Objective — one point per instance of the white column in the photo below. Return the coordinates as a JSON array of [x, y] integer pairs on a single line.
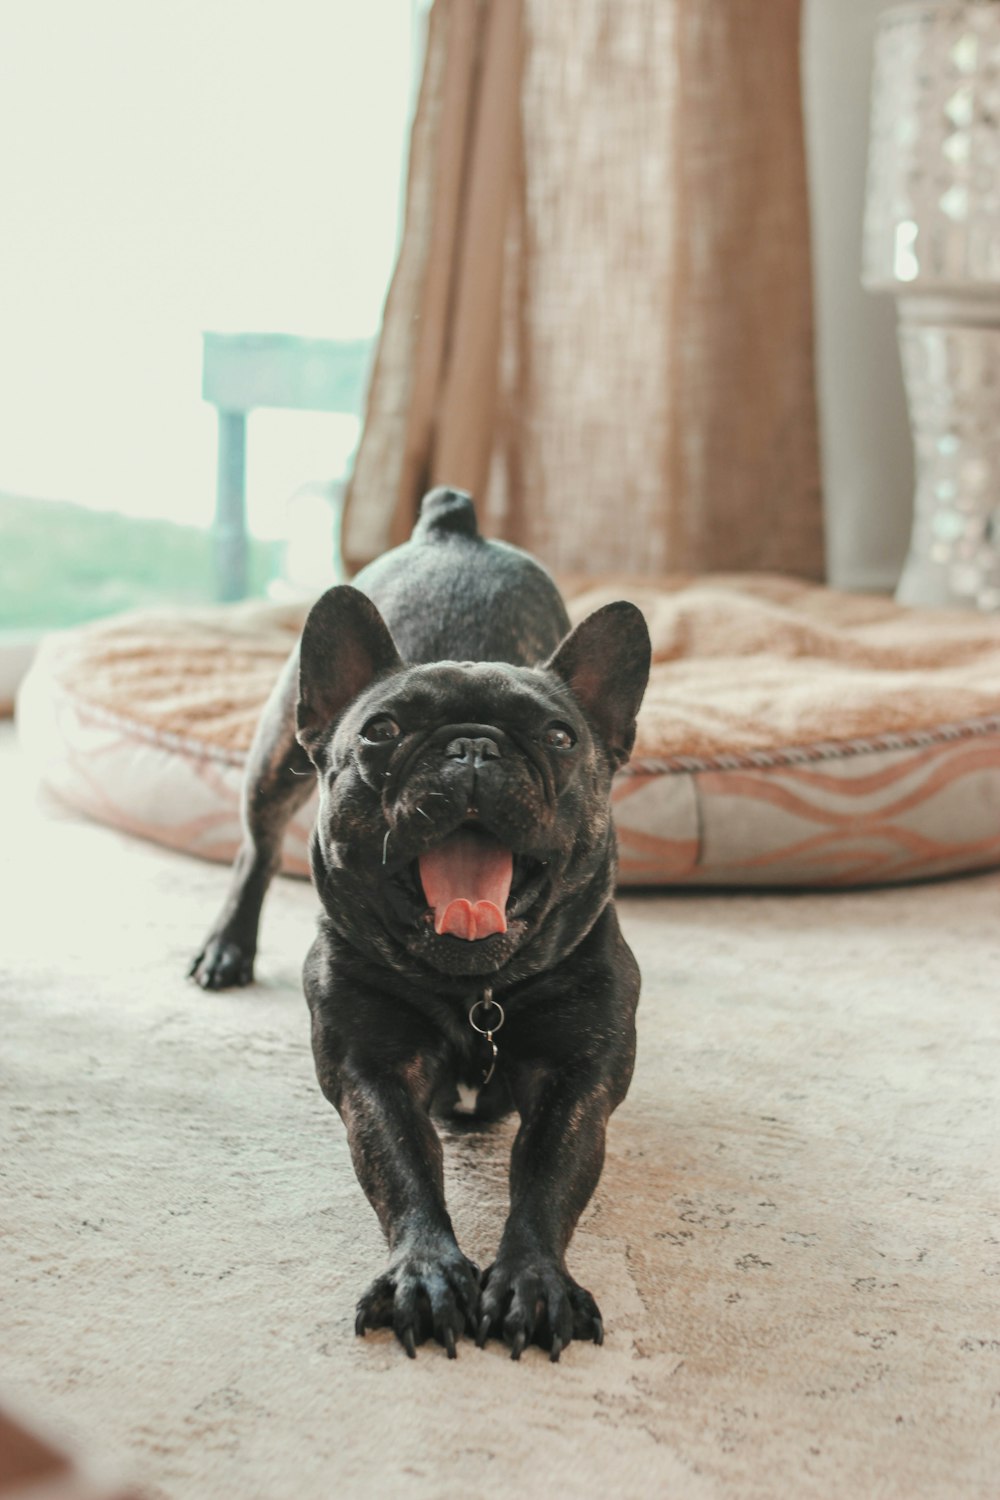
[[867, 448]]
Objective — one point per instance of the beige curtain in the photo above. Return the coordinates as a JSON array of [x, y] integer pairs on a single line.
[[600, 321]]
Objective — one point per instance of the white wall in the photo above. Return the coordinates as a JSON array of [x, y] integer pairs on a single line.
[[867, 454]]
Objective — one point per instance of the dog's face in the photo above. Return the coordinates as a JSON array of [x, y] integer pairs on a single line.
[[464, 806]]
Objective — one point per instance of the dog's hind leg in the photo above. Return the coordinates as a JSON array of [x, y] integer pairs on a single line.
[[279, 779]]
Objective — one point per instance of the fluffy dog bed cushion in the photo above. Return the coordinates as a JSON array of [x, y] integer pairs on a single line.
[[790, 734]]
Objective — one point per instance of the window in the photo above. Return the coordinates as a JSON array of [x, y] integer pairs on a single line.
[[171, 168]]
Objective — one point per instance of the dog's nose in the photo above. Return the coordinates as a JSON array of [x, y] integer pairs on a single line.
[[474, 752]]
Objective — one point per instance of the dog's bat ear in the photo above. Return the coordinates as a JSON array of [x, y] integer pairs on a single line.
[[345, 645], [605, 663]]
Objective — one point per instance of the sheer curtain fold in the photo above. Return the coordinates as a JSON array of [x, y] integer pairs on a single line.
[[600, 320]]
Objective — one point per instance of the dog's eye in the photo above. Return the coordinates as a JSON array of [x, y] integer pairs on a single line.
[[559, 737], [380, 730]]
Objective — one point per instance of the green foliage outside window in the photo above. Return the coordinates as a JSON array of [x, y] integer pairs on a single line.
[[61, 564]]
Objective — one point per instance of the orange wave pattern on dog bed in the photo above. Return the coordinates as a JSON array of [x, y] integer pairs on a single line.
[[790, 734]]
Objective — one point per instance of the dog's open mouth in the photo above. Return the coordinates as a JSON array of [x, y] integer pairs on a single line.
[[466, 881], [470, 887]]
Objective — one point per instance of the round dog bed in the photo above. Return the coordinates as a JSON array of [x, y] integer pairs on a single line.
[[790, 735]]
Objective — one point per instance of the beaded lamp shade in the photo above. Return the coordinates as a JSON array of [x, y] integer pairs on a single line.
[[932, 237], [933, 210]]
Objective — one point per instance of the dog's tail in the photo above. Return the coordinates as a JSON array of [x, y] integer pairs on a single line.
[[446, 512]]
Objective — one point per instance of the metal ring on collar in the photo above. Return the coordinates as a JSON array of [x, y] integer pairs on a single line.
[[486, 1030]]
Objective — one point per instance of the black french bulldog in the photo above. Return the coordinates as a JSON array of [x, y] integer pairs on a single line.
[[469, 957]]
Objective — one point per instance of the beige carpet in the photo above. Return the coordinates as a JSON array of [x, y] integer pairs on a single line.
[[795, 1244]]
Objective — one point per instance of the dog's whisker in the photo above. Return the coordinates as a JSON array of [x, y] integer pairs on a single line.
[[385, 844]]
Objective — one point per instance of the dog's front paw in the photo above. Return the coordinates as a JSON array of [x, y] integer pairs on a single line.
[[420, 1295], [222, 964], [534, 1301]]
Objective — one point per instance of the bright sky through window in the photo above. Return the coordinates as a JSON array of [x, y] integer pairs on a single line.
[[172, 167]]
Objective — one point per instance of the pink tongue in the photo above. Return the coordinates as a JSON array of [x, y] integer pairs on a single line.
[[467, 881]]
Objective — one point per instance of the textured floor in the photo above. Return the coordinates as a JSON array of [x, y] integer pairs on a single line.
[[795, 1244]]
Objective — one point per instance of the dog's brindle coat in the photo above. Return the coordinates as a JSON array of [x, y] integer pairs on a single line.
[[450, 715]]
